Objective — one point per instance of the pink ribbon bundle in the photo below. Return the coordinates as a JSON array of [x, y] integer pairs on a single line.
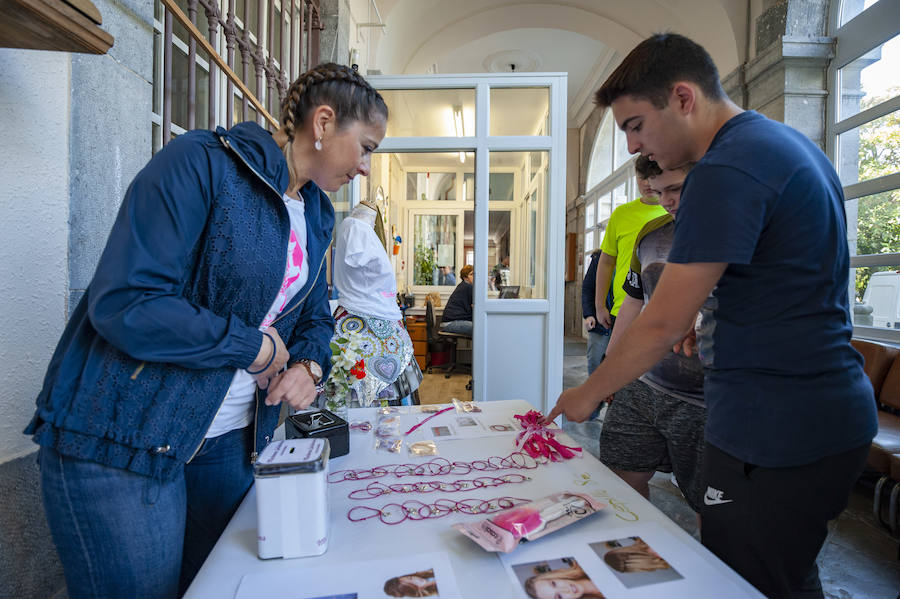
[[538, 440]]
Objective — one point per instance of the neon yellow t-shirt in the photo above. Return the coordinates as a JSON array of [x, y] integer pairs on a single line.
[[618, 241]]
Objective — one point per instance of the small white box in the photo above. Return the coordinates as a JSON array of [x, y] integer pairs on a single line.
[[292, 498]]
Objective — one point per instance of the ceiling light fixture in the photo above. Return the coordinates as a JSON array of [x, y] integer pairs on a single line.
[[458, 126]]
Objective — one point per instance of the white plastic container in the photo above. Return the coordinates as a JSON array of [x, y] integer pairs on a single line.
[[292, 498]]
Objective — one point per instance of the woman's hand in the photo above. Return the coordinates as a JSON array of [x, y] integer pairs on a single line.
[[294, 386], [590, 322], [265, 353]]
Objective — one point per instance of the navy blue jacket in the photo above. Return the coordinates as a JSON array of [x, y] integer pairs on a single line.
[[193, 263], [588, 292]]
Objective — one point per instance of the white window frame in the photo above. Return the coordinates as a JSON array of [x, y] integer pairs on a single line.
[[497, 322], [869, 29], [221, 81], [601, 192]]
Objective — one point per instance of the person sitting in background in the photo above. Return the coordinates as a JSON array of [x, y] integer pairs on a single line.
[[446, 277], [458, 312]]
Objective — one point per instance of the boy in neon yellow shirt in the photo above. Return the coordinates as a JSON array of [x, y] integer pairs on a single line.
[[616, 248]]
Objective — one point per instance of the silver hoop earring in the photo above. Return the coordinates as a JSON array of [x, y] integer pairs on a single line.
[[318, 144]]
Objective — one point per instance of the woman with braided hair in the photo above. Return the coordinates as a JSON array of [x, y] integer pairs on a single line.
[[207, 311]]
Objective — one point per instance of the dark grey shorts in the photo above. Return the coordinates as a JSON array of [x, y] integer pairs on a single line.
[[646, 430]]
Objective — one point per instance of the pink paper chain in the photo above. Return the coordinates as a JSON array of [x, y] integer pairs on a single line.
[[395, 513], [377, 489], [438, 467], [539, 441]]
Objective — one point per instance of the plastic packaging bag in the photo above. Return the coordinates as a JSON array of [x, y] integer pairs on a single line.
[[503, 532]]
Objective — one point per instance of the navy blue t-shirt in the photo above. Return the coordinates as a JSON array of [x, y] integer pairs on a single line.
[[784, 387]]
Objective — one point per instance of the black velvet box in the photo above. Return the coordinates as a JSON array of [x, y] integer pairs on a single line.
[[320, 424]]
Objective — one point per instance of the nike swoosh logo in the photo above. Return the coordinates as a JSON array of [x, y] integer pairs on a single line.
[[715, 501]]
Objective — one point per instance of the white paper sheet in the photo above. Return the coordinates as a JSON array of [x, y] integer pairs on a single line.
[[350, 580]]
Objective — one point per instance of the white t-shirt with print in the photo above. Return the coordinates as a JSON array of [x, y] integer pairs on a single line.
[[237, 408]]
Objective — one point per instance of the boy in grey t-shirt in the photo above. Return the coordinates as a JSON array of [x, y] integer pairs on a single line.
[[656, 423]]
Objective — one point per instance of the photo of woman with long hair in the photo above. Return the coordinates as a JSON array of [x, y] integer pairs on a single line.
[[417, 584], [637, 557], [634, 562], [567, 582]]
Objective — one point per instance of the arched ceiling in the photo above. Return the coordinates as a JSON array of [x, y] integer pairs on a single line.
[[584, 38]]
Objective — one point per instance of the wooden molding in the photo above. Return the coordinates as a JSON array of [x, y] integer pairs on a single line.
[[53, 25], [571, 256]]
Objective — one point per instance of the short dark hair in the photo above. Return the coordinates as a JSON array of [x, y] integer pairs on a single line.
[[655, 64], [645, 168], [684, 168]]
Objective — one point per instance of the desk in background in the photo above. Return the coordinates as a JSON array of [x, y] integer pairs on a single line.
[[418, 333], [477, 573]]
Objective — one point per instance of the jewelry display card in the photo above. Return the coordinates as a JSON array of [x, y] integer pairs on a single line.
[[451, 426], [414, 575]]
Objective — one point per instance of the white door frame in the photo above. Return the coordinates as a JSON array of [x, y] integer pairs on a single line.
[[495, 361]]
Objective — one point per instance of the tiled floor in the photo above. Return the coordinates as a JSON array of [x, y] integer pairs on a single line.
[[859, 559], [436, 388]]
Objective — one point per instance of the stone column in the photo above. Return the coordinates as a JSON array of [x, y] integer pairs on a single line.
[[786, 80], [334, 40]]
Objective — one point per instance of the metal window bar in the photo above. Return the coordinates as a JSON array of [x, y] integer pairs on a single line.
[[300, 19]]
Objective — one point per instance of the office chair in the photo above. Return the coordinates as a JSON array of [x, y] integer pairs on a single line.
[[435, 343], [453, 340]]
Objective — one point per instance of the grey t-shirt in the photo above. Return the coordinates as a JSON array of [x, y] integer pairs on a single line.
[[675, 374]]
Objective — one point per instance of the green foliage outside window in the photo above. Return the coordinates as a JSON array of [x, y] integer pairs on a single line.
[[878, 218], [425, 265]]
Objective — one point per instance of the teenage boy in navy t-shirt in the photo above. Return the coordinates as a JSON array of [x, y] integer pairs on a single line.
[[790, 412]]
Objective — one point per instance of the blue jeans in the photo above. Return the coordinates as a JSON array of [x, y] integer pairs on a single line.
[[598, 340], [121, 534], [462, 327]]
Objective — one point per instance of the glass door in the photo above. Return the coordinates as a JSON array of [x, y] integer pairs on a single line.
[[471, 173]]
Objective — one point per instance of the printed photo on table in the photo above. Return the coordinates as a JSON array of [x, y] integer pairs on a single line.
[[466, 421], [343, 596], [554, 578], [415, 584], [634, 562], [441, 431]]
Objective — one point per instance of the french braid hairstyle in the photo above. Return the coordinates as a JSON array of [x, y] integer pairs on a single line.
[[340, 87]]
